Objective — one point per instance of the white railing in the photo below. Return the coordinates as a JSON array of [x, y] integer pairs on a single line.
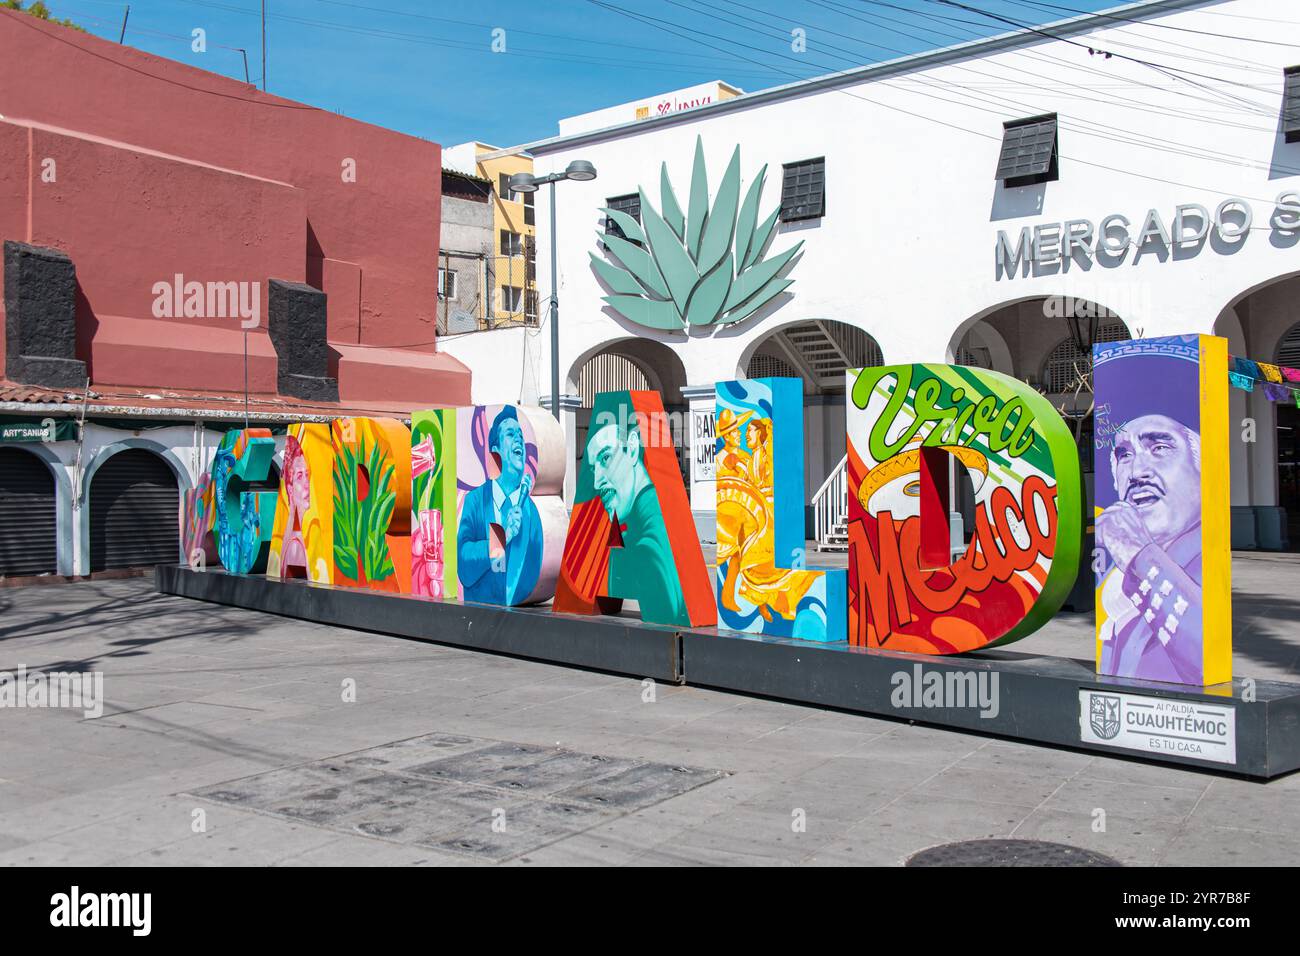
[[831, 502]]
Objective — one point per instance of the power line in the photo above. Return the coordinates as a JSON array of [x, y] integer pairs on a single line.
[[1128, 137], [471, 46], [663, 25], [1171, 72], [1054, 61], [1149, 23], [489, 26]]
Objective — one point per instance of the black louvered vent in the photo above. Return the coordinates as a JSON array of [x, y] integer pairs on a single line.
[[133, 512], [28, 521], [1029, 154]]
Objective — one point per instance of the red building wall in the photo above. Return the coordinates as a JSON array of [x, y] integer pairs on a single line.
[[161, 169]]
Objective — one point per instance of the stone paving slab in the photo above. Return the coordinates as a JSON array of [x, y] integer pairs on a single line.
[[483, 798]]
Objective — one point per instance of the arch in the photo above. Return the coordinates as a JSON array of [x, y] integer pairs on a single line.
[[63, 504], [1259, 323], [184, 483], [1238, 297], [1065, 362], [1022, 333], [659, 364], [983, 346], [817, 350], [965, 326], [629, 362]]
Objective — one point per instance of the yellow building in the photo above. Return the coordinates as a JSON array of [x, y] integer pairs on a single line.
[[512, 268]]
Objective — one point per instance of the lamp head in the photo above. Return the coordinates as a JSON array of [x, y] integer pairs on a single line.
[[580, 170], [523, 183]]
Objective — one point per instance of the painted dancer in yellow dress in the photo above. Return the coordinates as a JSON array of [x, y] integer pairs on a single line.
[[745, 492]]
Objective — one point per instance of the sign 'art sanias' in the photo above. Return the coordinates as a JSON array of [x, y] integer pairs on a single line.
[[702, 267]]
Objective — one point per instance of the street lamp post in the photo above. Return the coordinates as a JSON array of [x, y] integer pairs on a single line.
[[579, 171]]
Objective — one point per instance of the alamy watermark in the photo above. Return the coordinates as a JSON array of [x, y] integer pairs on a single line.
[[73, 909], [82, 691], [180, 299], [919, 688]]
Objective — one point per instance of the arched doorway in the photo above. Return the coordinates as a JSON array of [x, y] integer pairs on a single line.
[[1263, 324], [819, 351], [28, 515], [134, 504], [1045, 341], [631, 365]]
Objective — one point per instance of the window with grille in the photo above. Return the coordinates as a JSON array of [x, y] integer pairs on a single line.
[[530, 259], [446, 284], [1066, 363], [764, 365], [609, 372], [975, 356], [530, 306], [1288, 350], [803, 189], [630, 204], [512, 243], [1029, 154]]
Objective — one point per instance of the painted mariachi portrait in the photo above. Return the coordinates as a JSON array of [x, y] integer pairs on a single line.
[[1150, 513]]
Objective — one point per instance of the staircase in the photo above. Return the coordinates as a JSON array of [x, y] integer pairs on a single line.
[[831, 510], [821, 351]]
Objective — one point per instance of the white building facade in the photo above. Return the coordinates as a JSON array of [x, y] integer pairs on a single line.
[[1167, 202]]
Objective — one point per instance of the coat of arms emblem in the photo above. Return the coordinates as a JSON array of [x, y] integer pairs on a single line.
[[1103, 714]]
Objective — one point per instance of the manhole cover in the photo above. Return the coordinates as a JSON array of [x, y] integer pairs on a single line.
[[1008, 853]]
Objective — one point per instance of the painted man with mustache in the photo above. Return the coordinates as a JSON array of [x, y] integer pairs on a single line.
[[1152, 596], [646, 565]]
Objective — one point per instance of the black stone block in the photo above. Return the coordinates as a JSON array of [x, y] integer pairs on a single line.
[[296, 321], [312, 388], [41, 317]]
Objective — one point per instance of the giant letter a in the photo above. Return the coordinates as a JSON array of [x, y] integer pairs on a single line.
[[631, 534]]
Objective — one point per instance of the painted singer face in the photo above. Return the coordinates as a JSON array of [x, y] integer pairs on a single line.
[[510, 447], [1158, 471]]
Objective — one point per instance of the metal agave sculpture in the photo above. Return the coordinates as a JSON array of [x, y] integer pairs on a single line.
[[704, 267]]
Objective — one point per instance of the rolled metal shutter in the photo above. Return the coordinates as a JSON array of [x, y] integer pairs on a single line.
[[133, 512], [28, 520]]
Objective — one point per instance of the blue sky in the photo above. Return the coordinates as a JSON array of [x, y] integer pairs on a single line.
[[426, 67]]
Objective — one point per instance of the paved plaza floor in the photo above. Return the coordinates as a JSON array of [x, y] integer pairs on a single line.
[[231, 736]]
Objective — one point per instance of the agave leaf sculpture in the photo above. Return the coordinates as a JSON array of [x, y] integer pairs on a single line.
[[701, 267]]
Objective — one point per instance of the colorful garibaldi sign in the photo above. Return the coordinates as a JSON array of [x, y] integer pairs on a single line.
[[467, 504]]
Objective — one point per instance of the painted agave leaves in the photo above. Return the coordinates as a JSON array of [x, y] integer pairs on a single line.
[[701, 267]]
